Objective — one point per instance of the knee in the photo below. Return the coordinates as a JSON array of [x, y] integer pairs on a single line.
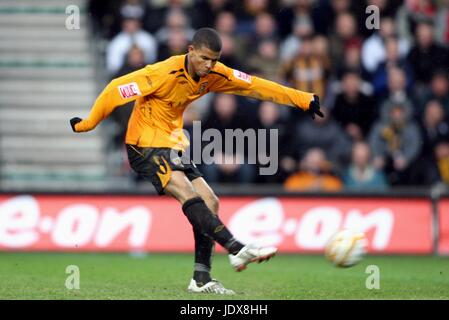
[[189, 196], [213, 203]]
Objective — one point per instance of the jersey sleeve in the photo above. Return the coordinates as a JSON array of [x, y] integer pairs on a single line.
[[237, 82], [120, 91]]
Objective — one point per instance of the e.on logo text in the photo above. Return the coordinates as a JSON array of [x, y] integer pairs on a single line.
[[83, 226], [270, 222]]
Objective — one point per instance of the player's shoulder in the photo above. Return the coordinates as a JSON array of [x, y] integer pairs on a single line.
[[222, 69], [230, 73], [167, 65]]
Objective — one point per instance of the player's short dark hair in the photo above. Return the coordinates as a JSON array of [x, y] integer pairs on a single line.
[[207, 37]]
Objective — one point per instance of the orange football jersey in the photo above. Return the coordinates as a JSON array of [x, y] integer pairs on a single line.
[[163, 90]]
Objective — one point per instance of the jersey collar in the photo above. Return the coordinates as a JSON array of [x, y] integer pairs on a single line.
[[186, 70]]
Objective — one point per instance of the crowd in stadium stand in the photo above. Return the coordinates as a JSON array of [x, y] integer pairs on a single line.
[[384, 91]]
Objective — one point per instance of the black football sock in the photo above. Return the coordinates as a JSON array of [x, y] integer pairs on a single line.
[[201, 274], [201, 278], [204, 247], [234, 246], [205, 222]]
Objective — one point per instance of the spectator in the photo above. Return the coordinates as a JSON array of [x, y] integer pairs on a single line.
[[266, 59], [361, 175], [135, 60], [442, 157], [314, 174], [397, 87], [247, 11], [438, 90], [270, 117], [392, 59], [320, 46], [264, 28], [233, 44], [134, 8], [323, 133], [224, 114], [434, 168], [229, 166], [176, 21], [434, 131], [395, 141], [131, 34], [176, 44], [326, 12], [434, 127], [353, 109], [306, 71], [229, 52], [160, 10], [352, 61], [299, 13], [427, 56], [105, 17], [292, 44], [442, 24], [225, 23], [345, 35], [207, 13], [412, 13], [373, 48]]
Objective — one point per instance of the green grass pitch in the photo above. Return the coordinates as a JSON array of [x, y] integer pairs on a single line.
[[166, 276]]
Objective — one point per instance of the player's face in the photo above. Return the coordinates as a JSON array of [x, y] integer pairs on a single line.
[[203, 60]]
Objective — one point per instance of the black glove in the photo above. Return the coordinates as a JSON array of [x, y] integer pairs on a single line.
[[314, 107], [73, 122]]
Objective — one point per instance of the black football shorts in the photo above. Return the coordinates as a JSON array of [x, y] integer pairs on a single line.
[[156, 165]]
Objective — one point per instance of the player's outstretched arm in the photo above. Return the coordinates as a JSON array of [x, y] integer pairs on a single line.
[[118, 92], [237, 82]]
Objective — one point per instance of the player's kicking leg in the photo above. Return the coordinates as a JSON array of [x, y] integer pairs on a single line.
[[205, 222], [245, 255]]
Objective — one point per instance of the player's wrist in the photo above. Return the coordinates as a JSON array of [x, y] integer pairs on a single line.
[[74, 122], [305, 99], [314, 107]]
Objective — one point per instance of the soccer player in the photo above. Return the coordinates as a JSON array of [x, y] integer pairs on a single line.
[[155, 141]]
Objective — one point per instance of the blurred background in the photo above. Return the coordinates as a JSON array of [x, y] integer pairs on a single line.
[[385, 91]]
